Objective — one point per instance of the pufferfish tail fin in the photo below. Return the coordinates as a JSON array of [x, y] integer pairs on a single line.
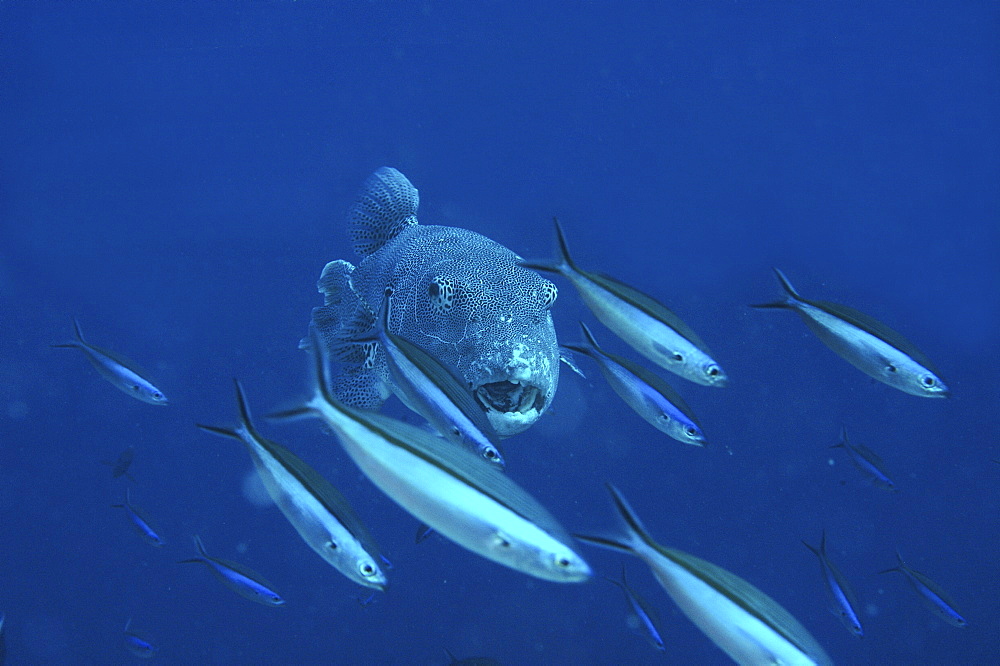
[[359, 377], [386, 205]]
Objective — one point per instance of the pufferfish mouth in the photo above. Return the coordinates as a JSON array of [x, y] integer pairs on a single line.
[[511, 396]]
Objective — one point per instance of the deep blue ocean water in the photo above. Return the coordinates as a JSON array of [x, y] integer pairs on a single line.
[[177, 174]]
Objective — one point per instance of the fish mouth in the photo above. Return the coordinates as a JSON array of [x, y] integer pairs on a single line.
[[511, 396], [512, 405]]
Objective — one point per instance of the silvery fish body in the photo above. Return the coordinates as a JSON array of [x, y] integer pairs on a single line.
[[436, 392], [866, 343], [843, 601], [930, 593], [459, 295], [120, 371], [239, 578], [139, 521], [317, 510], [447, 487], [866, 460], [644, 323], [646, 393], [743, 621]]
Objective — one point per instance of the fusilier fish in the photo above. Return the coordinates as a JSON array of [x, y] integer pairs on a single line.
[[139, 521], [317, 510], [650, 396], [743, 621], [447, 487], [643, 611], [459, 296], [930, 593], [239, 578], [843, 601], [866, 460], [120, 466], [638, 319], [120, 371], [138, 645], [435, 391], [867, 344]]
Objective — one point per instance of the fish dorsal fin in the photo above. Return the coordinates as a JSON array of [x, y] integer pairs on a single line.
[[650, 306], [386, 205], [874, 327]]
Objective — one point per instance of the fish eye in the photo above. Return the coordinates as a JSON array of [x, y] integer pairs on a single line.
[[549, 295], [332, 545], [713, 371], [562, 562], [367, 569], [157, 395], [690, 432], [490, 453], [890, 368], [678, 357], [928, 381]]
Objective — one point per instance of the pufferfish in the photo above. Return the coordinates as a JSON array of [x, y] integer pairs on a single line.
[[458, 295]]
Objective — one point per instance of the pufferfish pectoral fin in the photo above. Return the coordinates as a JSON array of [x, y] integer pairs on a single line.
[[386, 205], [358, 376]]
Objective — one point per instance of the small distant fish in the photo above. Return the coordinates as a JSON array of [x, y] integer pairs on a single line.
[[642, 610], [365, 602], [318, 512], [843, 602], [139, 521], [866, 460], [119, 467], [652, 398], [744, 622], [638, 319], [446, 486], [138, 645], [435, 390], [240, 579], [930, 593], [123, 373], [423, 531], [3, 644], [867, 344]]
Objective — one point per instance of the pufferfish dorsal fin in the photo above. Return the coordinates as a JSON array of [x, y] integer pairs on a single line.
[[386, 205]]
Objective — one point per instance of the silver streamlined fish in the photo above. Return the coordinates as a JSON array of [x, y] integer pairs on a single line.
[[459, 296], [435, 391], [139, 521], [317, 510], [638, 319], [120, 371], [744, 622], [864, 342], [138, 645], [843, 601], [447, 487], [645, 613], [866, 461], [239, 578], [930, 593], [647, 394]]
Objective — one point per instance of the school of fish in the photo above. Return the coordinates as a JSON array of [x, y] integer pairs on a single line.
[[460, 329]]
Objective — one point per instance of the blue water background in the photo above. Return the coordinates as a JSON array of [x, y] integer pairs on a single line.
[[177, 174]]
